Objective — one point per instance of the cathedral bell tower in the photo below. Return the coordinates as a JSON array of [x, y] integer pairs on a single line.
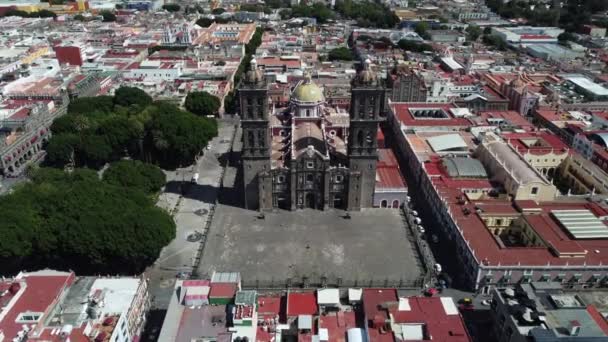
[[367, 103], [253, 99]]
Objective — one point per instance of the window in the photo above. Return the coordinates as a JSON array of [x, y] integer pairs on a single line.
[[281, 179], [499, 222], [339, 178], [310, 165], [332, 133], [309, 178], [534, 190], [28, 317]]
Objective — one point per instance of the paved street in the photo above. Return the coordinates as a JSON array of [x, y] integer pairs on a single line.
[[190, 213]]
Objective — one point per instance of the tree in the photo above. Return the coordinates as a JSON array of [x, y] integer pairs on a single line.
[[318, 11], [83, 105], [230, 103], [76, 221], [135, 174], [487, 30], [94, 151], [202, 103], [108, 16], [414, 46], [127, 96], [79, 17], [473, 32], [566, 36], [496, 41], [340, 54], [218, 11], [204, 22], [422, 29], [174, 137], [367, 13], [171, 7], [61, 148]]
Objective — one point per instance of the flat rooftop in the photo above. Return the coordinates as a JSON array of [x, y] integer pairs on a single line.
[[372, 245]]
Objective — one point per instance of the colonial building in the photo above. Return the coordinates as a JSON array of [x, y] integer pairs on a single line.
[[308, 155], [406, 85]]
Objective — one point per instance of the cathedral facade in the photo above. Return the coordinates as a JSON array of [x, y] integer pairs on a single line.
[[307, 154]]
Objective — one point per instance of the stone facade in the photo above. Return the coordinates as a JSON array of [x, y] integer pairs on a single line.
[[310, 155]]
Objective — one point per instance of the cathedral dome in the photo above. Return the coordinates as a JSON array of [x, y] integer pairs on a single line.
[[308, 91]]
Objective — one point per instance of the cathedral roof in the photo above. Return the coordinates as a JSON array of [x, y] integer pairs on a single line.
[[308, 91]]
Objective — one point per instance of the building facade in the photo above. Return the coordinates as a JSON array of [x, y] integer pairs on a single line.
[[308, 155]]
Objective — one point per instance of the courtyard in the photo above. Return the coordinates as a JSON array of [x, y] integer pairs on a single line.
[[312, 248]]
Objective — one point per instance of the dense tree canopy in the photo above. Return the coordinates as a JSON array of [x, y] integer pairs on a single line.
[[494, 40], [218, 11], [135, 174], [127, 96], [108, 16], [473, 32], [414, 46], [171, 7], [103, 129], [340, 54], [35, 14], [367, 13], [174, 136], [572, 15], [202, 103], [76, 221], [318, 11]]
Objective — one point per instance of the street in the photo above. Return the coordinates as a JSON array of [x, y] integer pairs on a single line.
[[190, 212]]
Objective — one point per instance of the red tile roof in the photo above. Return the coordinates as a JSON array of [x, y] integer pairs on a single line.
[[301, 303], [337, 324], [431, 312], [222, 290], [402, 113], [37, 293]]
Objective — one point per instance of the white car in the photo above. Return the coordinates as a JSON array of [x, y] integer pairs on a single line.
[[437, 268], [421, 229], [486, 302]]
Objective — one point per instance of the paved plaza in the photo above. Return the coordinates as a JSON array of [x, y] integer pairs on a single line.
[[371, 245]]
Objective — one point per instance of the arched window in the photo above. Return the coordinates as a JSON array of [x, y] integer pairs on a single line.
[[395, 204], [360, 138], [251, 139], [383, 204], [369, 139], [261, 139]]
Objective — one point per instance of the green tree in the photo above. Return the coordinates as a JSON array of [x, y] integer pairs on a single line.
[[566, 36], [108, 16], [174, 137], [94, 151], [422, 29], [127, 96], [204, 22], [496, 41], [202, 103], [76, 221], [135, 174], [367, 13], [61, 149], [473, 32], [79, 17], [218, 11], [230, 103], [85, 105], [171, 7], [340, 54]]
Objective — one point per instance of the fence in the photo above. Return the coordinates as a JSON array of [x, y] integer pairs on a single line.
[[424, 250], [313, 282]]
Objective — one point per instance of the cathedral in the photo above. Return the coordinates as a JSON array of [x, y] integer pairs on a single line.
[[308, 154]]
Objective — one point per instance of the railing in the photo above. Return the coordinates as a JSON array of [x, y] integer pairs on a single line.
[[313, 282]]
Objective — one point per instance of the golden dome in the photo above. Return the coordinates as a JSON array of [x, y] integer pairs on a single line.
[[308, 91]]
